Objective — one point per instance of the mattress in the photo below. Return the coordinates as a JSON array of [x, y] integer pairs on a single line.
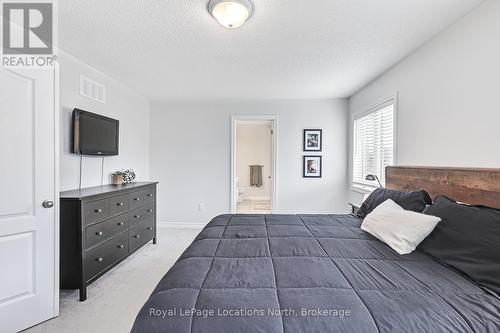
[[310, 273]]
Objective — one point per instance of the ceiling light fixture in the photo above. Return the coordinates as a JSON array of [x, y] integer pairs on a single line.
[[231, 13]]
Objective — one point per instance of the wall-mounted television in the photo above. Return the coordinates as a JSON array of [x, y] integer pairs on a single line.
[[94, 134]]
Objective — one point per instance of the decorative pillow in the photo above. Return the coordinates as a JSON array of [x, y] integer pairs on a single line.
[[401, 229], [468, 239], [414, 201]]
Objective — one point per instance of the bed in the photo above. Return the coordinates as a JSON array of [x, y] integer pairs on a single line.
[[310, 273]]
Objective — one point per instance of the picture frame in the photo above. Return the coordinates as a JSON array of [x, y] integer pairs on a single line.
[[313, 140], [312, 166]]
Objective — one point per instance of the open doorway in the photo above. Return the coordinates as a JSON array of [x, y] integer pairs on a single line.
[[253, 165]]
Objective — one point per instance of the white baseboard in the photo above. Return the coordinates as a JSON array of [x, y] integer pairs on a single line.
[[183, 225]]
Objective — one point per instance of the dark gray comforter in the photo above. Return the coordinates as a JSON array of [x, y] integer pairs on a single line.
[[309, 273]]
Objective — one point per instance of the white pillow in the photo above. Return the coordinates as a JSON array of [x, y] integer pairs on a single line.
[[401, 229]]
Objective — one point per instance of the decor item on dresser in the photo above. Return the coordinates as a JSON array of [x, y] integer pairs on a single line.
[[313, 139], [122, 176], [128, 176], [312, 166], [117, 177], [100, 226]]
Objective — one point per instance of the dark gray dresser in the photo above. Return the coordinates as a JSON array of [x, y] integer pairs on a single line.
[[100, 226]]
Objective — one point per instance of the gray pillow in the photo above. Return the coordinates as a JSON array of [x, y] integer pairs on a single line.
[[414, 201], [467, 239]]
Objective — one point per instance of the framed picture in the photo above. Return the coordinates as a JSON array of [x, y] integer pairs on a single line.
[[312, 166], [313, 139]]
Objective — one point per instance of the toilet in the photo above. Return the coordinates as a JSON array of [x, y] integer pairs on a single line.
[[239, 191]]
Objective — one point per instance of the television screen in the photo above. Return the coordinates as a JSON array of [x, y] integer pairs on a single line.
[[94, 134]]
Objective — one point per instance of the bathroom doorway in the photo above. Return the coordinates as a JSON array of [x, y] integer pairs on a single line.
[[253, 164]]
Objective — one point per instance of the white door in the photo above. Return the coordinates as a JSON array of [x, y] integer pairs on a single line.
[[28, 268]]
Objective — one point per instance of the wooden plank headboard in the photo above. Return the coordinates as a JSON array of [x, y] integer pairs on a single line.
[[472, 186]]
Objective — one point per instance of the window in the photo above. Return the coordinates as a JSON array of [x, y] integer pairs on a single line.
[[373, 143]]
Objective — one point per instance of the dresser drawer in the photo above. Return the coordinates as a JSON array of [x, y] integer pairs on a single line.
[[100, 232], [141, 198], [141, 234], [118, 205], [150, 195], [102, 256], [141, 214], [136, 199], [96, 211]]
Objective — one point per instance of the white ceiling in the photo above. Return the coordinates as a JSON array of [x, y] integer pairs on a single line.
[[174, 49]]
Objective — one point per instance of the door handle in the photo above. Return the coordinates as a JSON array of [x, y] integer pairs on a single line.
[[47, 204]]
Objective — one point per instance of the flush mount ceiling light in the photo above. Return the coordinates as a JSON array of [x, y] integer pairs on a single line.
[[231, 13]]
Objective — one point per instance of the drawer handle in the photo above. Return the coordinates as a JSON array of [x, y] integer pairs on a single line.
[[137, 199], [120, 223], [150, 195], [99, 259], [98, 210], [149, 228], [120, 246], [137, 216], [119, 204], [99, 233], [150, 210], [137, 236]]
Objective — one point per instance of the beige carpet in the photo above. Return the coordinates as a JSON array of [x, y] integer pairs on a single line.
[[115, 299]]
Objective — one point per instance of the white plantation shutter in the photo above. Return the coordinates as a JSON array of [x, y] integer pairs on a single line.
[[373, 144]]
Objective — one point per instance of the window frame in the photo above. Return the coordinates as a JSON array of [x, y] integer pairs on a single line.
[[362, 188]]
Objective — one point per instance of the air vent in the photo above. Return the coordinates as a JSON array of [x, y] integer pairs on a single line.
[[92, 89]]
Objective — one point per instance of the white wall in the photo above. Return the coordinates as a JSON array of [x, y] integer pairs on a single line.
[[448, 92], [131, 108], [254, 147], [190, 156]]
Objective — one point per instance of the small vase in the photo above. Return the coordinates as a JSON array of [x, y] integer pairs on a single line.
[[117, 179]]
